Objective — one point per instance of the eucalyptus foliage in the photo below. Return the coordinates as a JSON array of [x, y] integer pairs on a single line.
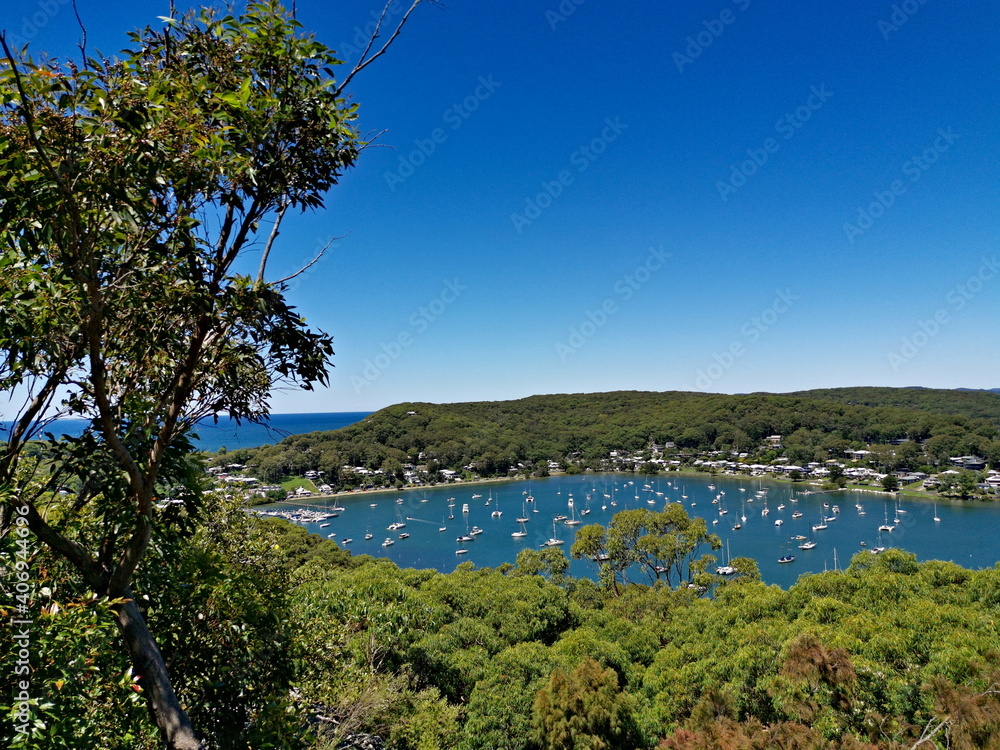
[[131, 190]]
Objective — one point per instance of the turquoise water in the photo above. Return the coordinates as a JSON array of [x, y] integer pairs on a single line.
[[966, 534], [227, 433]]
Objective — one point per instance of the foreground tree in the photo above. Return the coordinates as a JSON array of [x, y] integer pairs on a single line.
[[129, 189], [583, 710], [664, 545]]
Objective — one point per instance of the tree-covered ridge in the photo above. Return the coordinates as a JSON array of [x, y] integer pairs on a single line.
[[495, 435], [973, 404]]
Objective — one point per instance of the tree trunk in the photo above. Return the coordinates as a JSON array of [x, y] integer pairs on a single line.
[[147, 662]]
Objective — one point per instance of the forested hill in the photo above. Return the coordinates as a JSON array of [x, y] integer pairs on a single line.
[[495, 435], [970, 403]]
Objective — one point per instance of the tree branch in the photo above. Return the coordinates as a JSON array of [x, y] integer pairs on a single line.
[[92, 572], [270, 241], [362, 62], [311, 263]]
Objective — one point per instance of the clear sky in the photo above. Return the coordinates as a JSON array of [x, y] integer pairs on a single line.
[[587, 195]]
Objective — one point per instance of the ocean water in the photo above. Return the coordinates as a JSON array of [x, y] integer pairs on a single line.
[[965, 534], [212, 437]]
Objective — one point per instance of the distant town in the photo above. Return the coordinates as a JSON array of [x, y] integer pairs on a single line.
[[964, 476]]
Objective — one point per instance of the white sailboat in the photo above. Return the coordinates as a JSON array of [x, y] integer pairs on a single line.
[[727, 569], [398, 523], [885, 526], [552, 541]]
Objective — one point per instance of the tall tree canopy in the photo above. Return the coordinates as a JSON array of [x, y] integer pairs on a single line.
[[129, 190]]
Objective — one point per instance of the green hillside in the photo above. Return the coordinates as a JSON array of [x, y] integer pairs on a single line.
[[494, 435], [974, 404]]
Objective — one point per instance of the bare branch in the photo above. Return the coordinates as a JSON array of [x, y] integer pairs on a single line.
[[928, 733], [26, 425], [310, 264], [270, 241], [83, 34], [363, 63]]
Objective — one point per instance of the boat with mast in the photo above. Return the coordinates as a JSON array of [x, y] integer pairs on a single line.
[[821, 525], [398, 523], [727, 569], [886, 526], [552, 541]]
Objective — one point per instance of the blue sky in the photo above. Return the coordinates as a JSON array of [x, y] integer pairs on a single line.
[[729, 196]]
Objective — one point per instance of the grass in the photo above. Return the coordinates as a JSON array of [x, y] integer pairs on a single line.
[[295, 482]]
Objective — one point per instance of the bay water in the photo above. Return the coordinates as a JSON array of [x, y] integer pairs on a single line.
[[965, 534]]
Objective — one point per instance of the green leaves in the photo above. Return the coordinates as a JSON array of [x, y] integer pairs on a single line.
[[643, 543], [129, 190], [583, 710]]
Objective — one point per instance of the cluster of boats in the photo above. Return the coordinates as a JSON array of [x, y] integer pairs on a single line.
[[577, 508], [301, 515]]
